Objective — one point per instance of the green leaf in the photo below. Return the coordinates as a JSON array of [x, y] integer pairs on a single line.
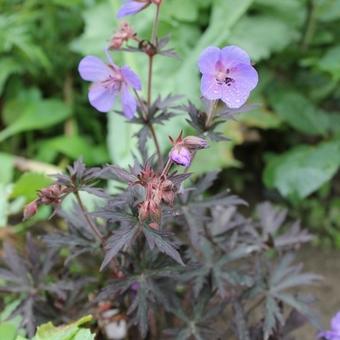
[[74, 147], [7, 67], [71, 331], [258, 35], [28, 185], [35, 114], [330, 62], [7, 168], [8, 331], [303, 170], [121, 141], [300, 113]]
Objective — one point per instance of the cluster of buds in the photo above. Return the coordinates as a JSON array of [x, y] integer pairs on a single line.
[[159, 189], [124, 34], [51, 195], [184, 149]]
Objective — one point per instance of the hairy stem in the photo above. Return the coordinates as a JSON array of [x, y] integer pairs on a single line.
[[211, 112], [167, 167], [149, 94], [310, 26], [94, 228], [155, 26]]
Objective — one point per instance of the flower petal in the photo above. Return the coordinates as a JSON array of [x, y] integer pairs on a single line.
[[328, 335], [101, 97], [93, 69], [130, 7], [210, 89], [233, 55], [245, 79], [131, 78], [128, 103], [335, 323], [245, 74], [208, 60]]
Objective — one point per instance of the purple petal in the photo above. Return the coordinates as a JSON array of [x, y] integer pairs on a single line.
[[128, 103], [245, 74], [181, 156], [335, 323], [208, 60], [328, 335], [131, 78], [210, 89], [130, 7], [93, 69], [101, 98], [233, 55], [245, 79]]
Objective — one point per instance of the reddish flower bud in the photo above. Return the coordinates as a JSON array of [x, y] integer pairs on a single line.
[[150, 210], [30, 209], [195, 143], [167, 191], [124, 34], [156, 2]]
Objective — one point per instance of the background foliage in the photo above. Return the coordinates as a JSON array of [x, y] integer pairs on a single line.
[[287, 149]]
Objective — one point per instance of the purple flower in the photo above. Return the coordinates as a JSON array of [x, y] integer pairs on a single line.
[[227, 74], [131, 7], [180, 155], [334, 333], [109, 81]]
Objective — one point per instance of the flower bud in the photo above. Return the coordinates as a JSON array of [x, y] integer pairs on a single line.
[[124, 34], [30, 209], [194, 143], [180, 155]]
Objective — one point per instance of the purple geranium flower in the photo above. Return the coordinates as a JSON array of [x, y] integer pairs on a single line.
[[227, 74], [180, 155], [132, 7], [334, 333], [110, 81]]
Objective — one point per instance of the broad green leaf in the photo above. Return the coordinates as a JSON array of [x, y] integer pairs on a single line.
[[7, 67], [5, 192], [258, 35], [300, 113], [7, 168], [71, 331], [219, 155], [28, 185], [74, 147], [330, 62], [8, 331], [122, 143], [36, 115], [327, 10], [302, 170]]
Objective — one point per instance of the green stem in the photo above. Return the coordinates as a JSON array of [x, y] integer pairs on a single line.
[[211, 113], [310, 26]]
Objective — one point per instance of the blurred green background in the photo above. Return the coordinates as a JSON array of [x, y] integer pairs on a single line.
[[287, 150]]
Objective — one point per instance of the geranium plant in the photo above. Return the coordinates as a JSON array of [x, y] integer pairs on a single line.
[[168, 255]]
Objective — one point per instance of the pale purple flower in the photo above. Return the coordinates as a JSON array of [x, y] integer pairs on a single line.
[[227, 74], [110, 81], [334, 333], [131, 7], [180, 155]]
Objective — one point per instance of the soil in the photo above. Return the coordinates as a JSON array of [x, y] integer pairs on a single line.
[[327, 264]]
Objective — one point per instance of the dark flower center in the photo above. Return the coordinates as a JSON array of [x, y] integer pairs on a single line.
[[228, 81]]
